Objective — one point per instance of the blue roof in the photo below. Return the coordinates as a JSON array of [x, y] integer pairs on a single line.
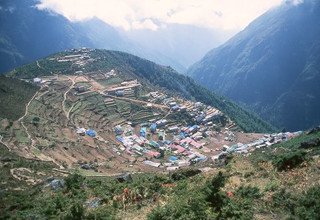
[[173, 158], [153, 126], [119, 138], [91, 133]]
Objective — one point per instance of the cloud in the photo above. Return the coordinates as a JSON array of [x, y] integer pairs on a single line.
[[153, 14]]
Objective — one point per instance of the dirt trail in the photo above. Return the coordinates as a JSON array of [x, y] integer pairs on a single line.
[[25, 114], [41, 156], [1, 137], [38, 64], [65, 97]]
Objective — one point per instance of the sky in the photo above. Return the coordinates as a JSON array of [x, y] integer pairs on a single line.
[[227, 15]]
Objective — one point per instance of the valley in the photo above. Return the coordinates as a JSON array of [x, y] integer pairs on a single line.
[[99, 133]]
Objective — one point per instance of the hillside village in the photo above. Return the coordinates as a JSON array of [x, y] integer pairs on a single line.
[[115, 118]]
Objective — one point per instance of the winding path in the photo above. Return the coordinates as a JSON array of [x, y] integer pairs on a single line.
[[1, 137], [25, 114], [65, 98]]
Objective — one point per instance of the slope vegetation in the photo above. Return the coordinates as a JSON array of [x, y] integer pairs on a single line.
[[246, 188], [272, 66], [14, 95]]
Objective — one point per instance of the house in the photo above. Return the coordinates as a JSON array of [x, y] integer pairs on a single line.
[[137, 148], [153, 128], [37, 80], [118, 130], [173, 128], [175, 108], [81, 131], [178, 148], [173, 158], [80, 89], [150, 163], [119, 93], [91, 133], [154, 154], [143, 132], [196, 144], [183, 163], [161, 122], [154, 144]]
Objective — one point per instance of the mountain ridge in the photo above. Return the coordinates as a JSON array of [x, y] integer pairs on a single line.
[[274, 56]]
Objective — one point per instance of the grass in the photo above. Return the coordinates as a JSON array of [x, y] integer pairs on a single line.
[[110, 81], [21, 136], [14, 95]]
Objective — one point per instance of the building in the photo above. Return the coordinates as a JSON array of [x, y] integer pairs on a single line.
[[80, 89], [37, 80], [81, 131]]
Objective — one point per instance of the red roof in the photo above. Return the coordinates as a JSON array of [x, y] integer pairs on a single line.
[[178, 148], [153, 153], [196, 144]]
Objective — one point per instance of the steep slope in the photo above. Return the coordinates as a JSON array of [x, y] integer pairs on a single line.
[[14, 95], [151, 73], [27, 33], [272, 66]]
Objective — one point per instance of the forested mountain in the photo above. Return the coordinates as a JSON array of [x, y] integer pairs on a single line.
[[27, 33], [272, 66]]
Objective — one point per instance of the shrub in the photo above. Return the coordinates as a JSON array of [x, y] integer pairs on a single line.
[[289, 160], [309, 205], [212, 192], [184, 173], [74, 181], [248, 192]]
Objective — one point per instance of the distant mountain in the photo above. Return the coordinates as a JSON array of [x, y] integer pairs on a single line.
[[27, 34], [272, 66], [185, 43], [151, 74]]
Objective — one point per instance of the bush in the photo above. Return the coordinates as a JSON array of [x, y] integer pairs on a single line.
[[248, 192], [309, 204], [213, 194], [74, 181], [289, 160], [185, 173]]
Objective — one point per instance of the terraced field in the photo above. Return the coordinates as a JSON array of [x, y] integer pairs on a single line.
[[48, 129]]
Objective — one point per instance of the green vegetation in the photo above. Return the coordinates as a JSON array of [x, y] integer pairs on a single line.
[[263, 191], [260, 69], [305, 206], [289, 160], [292, 153], [14, 95]]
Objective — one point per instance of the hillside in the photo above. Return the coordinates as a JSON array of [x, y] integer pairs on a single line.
[[271, 67], [97, 109], [254, 187], [14, 95], [150, 72]]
